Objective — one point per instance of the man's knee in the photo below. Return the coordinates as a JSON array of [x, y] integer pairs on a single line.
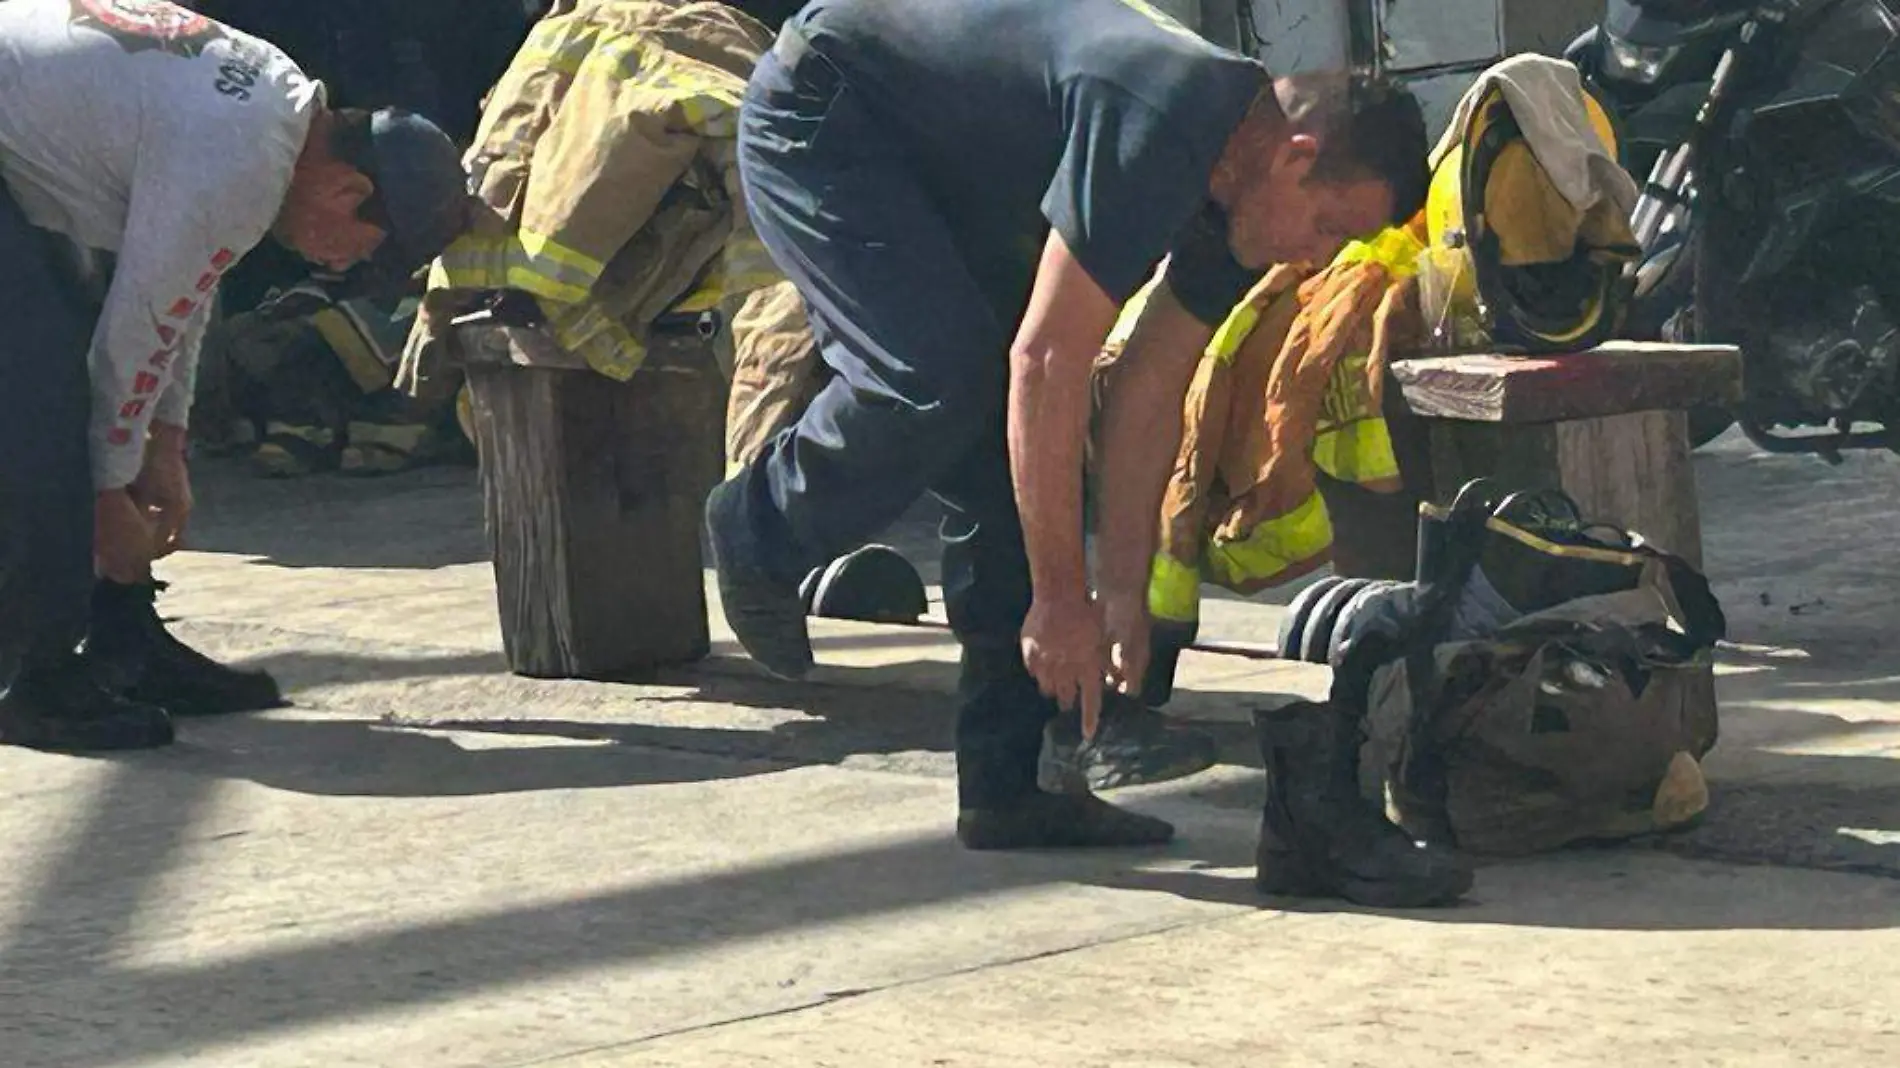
[[928, 431]]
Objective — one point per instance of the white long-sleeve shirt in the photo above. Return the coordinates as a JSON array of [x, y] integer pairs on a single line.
[[144, 130]]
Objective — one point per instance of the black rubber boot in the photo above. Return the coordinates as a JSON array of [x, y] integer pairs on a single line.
[[59, 707], [132, 653], [1002, 753], [1320, 838], [1167, 641]]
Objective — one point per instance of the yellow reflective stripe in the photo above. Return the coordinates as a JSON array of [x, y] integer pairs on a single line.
[[526, 280], [1272, 547], [1223, 346], [705, 298], [1360, 453], [587, 331], [352, 350], [708, 96], [557, 44], [404, 438], [1130, 314], [1396, 248], [322, 437], [1233, 332], [564, 57], [1346, 398], [745, 265], [541, 246], [1174, 590], [507, 262]]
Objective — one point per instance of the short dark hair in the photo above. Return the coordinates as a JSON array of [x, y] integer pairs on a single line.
[[1368, 127]]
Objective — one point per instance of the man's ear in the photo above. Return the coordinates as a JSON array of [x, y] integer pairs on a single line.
[[348, 191], [1295, 156]]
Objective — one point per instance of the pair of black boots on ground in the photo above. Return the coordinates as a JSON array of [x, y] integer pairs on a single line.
[[122, 689], [1319, 837]]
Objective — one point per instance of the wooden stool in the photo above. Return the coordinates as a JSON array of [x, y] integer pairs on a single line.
[[1609, 427], [594, 491]]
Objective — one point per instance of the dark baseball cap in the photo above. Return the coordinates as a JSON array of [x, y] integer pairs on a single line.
[[423, 190]]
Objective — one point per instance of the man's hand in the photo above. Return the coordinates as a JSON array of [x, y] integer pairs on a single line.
[[1125, 628], [1063, 649], [163, 488], [122, 538]]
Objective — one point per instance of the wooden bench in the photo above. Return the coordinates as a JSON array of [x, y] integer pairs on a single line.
[[594, 491], [1609, 427]]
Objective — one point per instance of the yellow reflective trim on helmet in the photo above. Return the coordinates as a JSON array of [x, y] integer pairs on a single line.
[[1272, 547], [1174, 590]]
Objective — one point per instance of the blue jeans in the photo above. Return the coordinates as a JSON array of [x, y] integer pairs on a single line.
[[917, 405]]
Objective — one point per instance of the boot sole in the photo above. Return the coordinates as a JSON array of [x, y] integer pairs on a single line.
[[1278, 877], [769, 623]]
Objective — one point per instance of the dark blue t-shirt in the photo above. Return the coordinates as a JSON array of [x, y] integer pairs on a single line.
[[1102, 118]]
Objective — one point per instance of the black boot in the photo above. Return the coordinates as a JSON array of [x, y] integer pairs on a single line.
[[1320, 838], [57, 706], [1167, 641], [1000, 734], [132, 653], [1133, 746]]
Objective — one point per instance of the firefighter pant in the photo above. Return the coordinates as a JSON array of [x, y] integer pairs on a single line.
[[918, 352], [45, 470]]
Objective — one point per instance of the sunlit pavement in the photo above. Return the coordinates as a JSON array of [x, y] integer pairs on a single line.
[[428, 862]]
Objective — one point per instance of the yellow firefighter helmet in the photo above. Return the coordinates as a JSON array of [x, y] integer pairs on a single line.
[[1510, 252]]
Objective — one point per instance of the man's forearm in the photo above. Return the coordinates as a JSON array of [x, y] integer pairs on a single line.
[[1141, 437], [1048, 425], [166, 438]]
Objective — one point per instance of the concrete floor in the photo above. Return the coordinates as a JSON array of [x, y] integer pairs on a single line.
[[430, 863]]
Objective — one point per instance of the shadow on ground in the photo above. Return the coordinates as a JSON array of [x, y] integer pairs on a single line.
[[422, 519], [67, 969], [457, 721], [1838, 809]]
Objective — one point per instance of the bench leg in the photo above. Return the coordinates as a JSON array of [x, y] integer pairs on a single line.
[[593, 492]]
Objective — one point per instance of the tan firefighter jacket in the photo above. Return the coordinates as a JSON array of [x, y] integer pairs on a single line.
[[607, 155], [1290, 384]]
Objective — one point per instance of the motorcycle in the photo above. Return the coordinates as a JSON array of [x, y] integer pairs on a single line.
[[1769, 131]]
